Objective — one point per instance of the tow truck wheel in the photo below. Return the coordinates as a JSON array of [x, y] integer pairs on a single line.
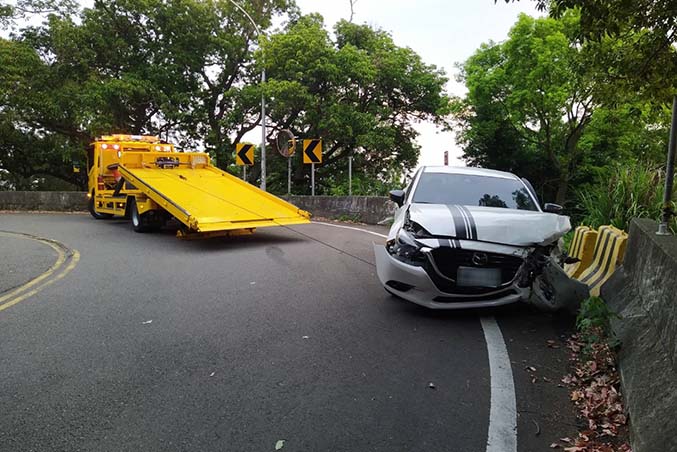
[[94, 213], [138, 222]]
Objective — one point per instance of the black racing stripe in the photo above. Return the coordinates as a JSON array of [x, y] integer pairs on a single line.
[[602, 233], [459, 224], [598, 261], [607, 264], [471, 222], [573, 251], [579, 245]]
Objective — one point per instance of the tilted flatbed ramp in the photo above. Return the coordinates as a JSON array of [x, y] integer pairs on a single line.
[[206, 199]]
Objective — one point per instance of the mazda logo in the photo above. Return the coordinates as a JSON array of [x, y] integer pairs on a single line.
[[480, 259]]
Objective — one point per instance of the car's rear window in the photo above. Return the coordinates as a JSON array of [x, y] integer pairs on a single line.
[[473, 190]]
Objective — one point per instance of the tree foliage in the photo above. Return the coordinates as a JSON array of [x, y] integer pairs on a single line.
[[358, 91], [541, 105], [189, 71], [644, 33], [531, 91]]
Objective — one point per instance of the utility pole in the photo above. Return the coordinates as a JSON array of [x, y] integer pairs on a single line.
[[263, 99]]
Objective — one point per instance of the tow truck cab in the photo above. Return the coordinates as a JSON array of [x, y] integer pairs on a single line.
[[108, 193]]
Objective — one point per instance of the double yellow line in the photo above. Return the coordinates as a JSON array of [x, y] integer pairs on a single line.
[[66, 261]]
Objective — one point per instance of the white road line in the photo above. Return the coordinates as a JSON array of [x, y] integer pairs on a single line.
[[351, 228], [502, 435]]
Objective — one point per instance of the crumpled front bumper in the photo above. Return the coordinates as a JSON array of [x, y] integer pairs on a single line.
[[425, 293]]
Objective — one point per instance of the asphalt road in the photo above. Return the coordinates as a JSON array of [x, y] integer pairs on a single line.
[[151, 343]]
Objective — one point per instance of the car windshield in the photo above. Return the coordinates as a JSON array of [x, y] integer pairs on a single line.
[[473, 190]]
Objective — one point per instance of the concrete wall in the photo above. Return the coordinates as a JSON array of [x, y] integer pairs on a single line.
[[62, 201], [644, 293], [367, 209]]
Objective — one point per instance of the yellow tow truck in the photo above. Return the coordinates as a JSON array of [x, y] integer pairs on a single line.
[[148, 181]]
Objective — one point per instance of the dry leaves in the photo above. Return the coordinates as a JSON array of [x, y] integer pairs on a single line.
[[595, 390]]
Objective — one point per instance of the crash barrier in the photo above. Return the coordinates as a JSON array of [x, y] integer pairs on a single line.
[[641, 293], [582, 248], [607, 254]]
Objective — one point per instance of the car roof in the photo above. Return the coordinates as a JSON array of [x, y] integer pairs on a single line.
[[469, 171]]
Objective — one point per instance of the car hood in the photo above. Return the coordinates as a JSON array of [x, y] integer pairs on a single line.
[[490, 224]]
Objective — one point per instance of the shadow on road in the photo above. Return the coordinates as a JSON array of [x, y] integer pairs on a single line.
[[167, 237]]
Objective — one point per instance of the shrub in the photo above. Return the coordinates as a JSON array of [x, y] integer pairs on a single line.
[[629, 191]]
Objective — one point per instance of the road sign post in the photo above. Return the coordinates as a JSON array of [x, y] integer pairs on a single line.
[[289, 175], [244, 157], [312, 154], [312, 179], [446, 158]]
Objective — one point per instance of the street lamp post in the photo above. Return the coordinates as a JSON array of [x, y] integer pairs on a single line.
[[263, 100]]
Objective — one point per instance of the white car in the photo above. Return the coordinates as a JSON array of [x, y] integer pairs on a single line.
[[467, 238]]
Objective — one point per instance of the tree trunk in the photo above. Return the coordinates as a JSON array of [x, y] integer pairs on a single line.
[[562, 190]]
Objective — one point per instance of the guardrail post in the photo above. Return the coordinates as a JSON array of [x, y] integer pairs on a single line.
[[663, 228]]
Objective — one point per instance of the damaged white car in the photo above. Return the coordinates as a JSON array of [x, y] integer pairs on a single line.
[[467, 238]]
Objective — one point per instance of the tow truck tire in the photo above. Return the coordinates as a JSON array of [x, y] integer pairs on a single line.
[[139, 223], [94, 213]]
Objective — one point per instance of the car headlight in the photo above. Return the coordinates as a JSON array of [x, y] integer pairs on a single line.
[[405, 248]]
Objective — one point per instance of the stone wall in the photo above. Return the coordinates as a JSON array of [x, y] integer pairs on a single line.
[[643, 291], [366, 209], [60, 201]]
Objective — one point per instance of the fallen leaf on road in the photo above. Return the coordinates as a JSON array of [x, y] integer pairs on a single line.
[[554, 446], [279, 444], [552, 344], [306, 337], [212, 374], [146, 322], [531, 369], [431, 385]]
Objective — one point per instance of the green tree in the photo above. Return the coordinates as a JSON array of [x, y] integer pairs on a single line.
[[533, 82], [181, 69], [358, 91], [543, 105], [643, 34], [188, 70]]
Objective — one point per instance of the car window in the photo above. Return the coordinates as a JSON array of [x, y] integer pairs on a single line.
[[473, 190]]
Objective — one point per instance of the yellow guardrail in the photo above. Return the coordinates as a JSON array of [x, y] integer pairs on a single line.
[[582, 248], [596, 266]]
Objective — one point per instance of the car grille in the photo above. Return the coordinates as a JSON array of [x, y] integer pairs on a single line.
[[447, 261]]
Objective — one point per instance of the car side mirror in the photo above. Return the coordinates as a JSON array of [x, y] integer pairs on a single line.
[[552, 208], [397, 196]]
